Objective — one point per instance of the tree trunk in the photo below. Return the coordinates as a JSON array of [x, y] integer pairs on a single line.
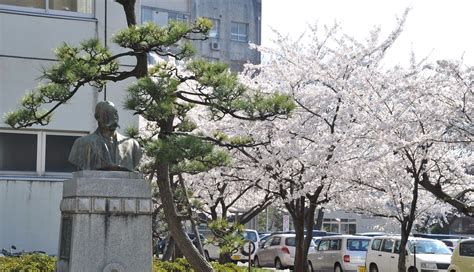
[[176, 229], [190, 214], [297, 212], [402, 252]]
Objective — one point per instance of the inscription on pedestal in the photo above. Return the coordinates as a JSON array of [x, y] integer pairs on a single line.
[[66, 236]]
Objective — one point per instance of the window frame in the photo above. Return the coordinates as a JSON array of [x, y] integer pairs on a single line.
[[40, 153], [238, 34], [51, 12]]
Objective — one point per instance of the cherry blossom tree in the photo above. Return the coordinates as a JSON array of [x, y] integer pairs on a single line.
[[412, 129], [306, 154]]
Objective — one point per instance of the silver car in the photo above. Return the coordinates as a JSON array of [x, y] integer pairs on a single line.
[[339, 253], [278, 251]]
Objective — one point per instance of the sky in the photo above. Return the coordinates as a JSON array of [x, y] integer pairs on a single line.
[[439, 29]]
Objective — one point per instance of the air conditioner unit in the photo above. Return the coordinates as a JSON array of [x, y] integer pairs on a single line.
[[215, 46]]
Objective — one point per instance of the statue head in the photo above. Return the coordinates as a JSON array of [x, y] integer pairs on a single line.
[[106, 116]]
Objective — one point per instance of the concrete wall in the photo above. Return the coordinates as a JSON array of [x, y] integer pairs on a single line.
[[29, 214]]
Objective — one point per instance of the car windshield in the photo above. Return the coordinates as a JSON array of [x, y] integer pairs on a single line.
[[357, 244], [429, 247]]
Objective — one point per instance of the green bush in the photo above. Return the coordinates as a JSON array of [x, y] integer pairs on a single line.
[[182, 265], [28, 263], [44, 263]]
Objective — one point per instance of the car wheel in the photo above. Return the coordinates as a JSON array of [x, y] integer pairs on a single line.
[[256, 262], [337, 268], [374, 268], [278, 264], [412, 269], [206, 255], [310, 266]]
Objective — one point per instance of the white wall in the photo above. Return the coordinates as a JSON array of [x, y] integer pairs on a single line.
[[367, 223], [29, 215]]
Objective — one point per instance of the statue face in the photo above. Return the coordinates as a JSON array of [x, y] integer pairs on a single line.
[[108, 118]]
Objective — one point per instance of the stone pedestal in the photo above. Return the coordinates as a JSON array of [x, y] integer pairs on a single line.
[[105, 223]]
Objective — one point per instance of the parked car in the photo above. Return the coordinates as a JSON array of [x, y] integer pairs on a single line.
[[427, 255], [278, 251], [316, 240], [463, 257], [371, 234], [339, 253], [451, 243], [212, 251], [161, 243], [263, 239]]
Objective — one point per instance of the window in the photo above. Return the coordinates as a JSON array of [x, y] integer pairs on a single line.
[[176, 16], [376, 244], [466, 249], [397, 247], [275, 241], [57, 153], [343, 226], [239, 32], [335, 244], [65, 7], [269, 242], [162, 17], [214, 32], [387, 245], [35, 152], [18, 152], [357, 244], [291, 241], [323, 245], [250, 236]]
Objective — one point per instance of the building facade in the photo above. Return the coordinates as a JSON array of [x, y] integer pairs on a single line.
[[236, 23], [33, 161]]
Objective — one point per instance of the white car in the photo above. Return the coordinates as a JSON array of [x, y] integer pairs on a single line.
[[212, 252], [427, 255], [339, 253], [278, 251]]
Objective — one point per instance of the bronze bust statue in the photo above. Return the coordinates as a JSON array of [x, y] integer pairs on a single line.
[[105, 149]]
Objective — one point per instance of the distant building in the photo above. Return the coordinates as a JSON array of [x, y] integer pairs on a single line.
[[33, 161], [235, 24]]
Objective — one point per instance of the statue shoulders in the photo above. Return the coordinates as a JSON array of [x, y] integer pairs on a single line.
[[87, 139]]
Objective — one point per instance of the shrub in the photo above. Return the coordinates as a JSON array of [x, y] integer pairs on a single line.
[[182, 265], [44, 263], [28, 263]]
